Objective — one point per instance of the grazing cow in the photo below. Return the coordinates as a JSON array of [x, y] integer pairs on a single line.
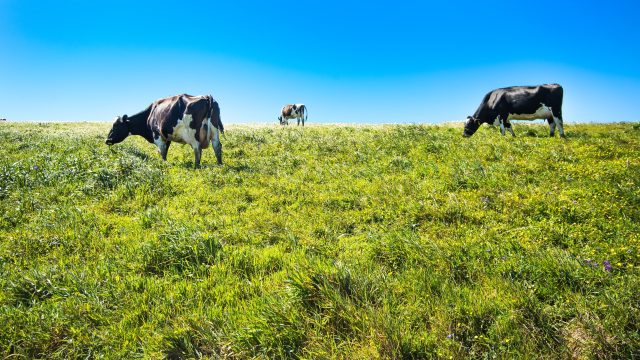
[[293, 111], [186, 119], [519, 103]]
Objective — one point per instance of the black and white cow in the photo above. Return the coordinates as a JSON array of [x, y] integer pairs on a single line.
[[519, 103], [185, 119], [293, 111]]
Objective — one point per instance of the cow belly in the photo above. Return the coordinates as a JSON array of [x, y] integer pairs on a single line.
[[182, 133], [543, 112]]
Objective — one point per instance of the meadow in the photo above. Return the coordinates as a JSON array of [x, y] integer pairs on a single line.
[[354, 242]]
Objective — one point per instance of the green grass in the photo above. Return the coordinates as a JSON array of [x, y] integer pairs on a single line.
[[355, 242]]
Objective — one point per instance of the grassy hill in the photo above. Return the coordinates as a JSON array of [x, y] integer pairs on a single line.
[[356, 242]]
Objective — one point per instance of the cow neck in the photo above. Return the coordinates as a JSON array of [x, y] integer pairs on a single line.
[[138, 124]]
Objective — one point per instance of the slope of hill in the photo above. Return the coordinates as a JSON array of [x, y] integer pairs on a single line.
[[324, 242]]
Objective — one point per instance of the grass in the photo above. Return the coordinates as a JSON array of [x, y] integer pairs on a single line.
[[357, 242]]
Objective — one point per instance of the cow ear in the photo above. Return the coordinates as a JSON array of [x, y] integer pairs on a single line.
[[125, 118]]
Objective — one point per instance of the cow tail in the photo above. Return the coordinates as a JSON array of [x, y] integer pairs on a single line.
[[218, 122], [306, 113]]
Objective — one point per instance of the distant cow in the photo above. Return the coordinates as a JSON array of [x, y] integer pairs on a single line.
[[3, 119], [293, 111], [186, 119], [519, 103]]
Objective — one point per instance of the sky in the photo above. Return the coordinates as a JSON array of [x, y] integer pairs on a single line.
[[348, 61]]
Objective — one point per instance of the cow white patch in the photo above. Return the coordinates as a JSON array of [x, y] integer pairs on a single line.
[[543, 112], [184, 134], [212, 136]]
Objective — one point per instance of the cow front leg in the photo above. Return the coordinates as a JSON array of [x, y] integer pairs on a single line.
[[217, 146], [163, 147], [552, 127], [501, 125], [197, 152]]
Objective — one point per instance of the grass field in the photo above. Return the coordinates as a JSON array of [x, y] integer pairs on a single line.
[[355, 242]]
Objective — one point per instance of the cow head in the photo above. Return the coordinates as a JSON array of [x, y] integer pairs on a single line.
[[471, 126], [119, 130]]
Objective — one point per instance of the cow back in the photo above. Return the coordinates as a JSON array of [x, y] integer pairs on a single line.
[[165, 114], [287, 111]]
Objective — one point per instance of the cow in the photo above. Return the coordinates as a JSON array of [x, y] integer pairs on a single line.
[[293, 111], [500, 106], [185, 119]]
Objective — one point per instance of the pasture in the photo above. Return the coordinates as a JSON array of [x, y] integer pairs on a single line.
[[357, 242]]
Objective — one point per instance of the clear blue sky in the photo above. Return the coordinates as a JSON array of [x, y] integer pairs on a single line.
[[369, 61]]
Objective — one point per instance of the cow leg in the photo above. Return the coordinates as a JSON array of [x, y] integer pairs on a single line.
[[501, 125], [298, 121], [552, 127], [217, 145], [510, 128], [163, 147], [197, 151], [558, 120]]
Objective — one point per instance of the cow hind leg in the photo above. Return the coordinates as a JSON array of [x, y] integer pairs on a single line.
[[558, 120], [510, 128], [552, 127]]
